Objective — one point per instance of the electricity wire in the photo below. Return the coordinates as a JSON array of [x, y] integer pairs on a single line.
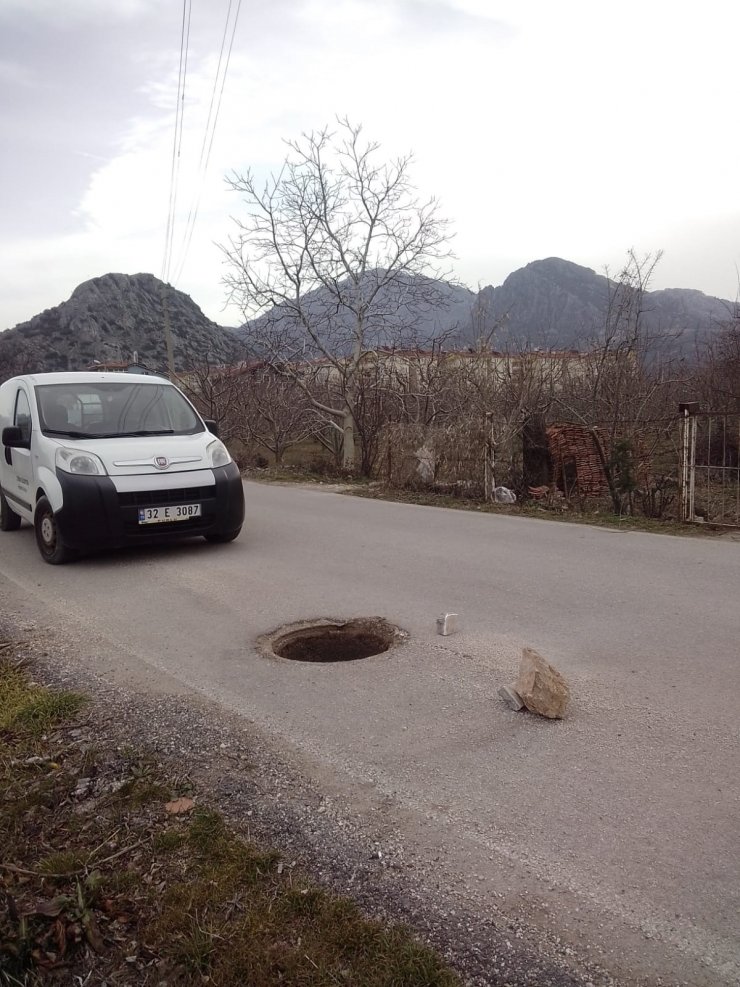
[[177, 139], [209, 132]]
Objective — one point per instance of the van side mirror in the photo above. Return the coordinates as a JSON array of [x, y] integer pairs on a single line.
[[212, 426], [13, 438]]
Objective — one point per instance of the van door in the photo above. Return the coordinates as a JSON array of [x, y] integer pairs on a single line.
[[19, 489]]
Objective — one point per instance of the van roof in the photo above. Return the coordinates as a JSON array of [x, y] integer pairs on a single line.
[[91, 377]]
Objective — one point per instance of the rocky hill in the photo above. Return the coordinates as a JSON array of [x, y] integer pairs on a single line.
[[551, 304], [405, 314], [114, 317], [554, 303]]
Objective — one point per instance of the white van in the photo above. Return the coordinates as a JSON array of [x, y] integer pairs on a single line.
[[98, 460]]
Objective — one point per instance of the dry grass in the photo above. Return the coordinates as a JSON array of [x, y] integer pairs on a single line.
[[373, 490], [31, 708], [99, 882], [526, 509], [304, 474]]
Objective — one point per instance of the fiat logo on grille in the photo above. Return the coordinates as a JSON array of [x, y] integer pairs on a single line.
[[161, 462]]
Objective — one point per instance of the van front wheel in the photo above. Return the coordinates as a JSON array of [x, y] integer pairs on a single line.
[[52, 548], [9, 520]]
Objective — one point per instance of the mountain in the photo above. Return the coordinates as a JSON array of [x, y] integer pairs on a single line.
[[555, 303], [687, 308], [549, 304], [111, 318], [409, 312]]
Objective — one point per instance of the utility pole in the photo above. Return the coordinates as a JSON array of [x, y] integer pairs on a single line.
[[168, 333]]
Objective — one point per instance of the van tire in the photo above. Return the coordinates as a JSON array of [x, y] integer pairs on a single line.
[[220, 538], [52, 548], [9, 520]]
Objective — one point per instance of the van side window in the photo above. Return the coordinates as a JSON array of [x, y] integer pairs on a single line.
[[22, 416]]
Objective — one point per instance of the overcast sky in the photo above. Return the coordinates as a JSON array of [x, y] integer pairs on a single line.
[[567, 128]]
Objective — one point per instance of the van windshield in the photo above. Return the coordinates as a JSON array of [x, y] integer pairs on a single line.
[[114, 410]]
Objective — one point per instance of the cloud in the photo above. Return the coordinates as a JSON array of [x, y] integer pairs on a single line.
[[447, 16], [15, 74], [76, 10]]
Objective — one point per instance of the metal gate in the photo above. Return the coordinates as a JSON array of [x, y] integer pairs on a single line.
[[710, 487]]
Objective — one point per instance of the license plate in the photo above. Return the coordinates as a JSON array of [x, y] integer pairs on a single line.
[[162, 515]]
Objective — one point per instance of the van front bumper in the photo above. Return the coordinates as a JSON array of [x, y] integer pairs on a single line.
[[95, 514]]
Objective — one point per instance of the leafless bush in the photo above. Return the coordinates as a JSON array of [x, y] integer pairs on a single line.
[[445, 458], [717, 383], [216, 392], [623, 385], [274, 412]]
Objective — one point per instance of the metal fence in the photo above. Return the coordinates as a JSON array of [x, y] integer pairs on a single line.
[[632, 469], [711, 467]]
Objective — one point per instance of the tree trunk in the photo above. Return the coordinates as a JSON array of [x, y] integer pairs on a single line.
[[348, 440], [350, 397], [613, 492]]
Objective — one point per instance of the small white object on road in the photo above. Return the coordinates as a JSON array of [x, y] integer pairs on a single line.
[[447, 623]]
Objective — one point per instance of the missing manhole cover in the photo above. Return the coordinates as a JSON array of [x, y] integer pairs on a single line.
[[332, 640]]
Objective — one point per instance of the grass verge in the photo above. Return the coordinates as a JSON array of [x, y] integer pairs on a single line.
[[304, 474], [112, 871], [599, 520], [355, 486]]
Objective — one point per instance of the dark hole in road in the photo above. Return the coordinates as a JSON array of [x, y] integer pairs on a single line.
[[328, 641]]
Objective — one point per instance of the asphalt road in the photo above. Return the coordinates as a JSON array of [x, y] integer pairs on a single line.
[[617, 828]]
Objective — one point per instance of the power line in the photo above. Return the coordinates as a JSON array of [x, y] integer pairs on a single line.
[[177, 139], [209, 133]]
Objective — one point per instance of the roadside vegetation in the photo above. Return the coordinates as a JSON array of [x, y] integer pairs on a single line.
[[114, 871], [597, 432], [354, 486], [595, 518]]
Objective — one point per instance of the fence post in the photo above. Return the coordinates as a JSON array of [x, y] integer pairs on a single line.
[[688, 410], [488, 453], [685, 466], [692, 465]]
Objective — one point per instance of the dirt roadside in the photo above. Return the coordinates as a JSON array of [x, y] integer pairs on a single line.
[[346, 842]]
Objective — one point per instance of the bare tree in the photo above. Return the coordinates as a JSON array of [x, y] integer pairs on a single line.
[[507, 390], [337, 256], [718, 378], [275, 412], [377, 403], [624, 381], [216, 392], [426, 380]]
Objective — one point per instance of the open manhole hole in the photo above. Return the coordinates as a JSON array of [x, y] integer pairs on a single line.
[[328, 640]]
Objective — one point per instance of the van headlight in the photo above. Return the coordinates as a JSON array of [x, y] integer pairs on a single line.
[[217, 453], [80, 463]]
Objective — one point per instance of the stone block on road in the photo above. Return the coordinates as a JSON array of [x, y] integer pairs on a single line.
[[542, 688], [447, 623]]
